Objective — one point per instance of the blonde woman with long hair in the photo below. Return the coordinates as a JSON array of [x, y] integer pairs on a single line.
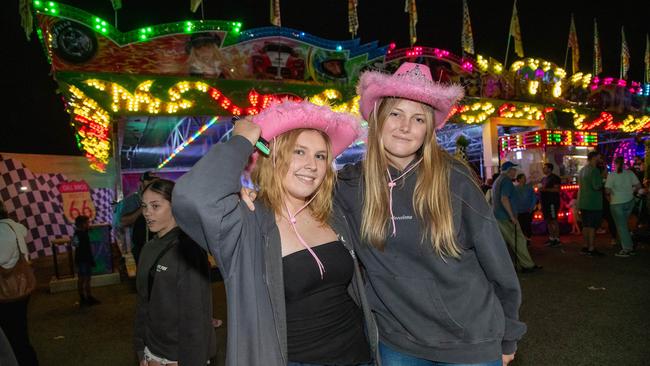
[[439, 278], [294, 288]]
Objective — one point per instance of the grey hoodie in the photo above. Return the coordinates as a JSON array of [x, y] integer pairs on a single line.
[[247, 247], [448, 310]]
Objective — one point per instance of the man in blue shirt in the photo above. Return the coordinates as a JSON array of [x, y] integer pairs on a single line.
[[524, 205], [503, 196]]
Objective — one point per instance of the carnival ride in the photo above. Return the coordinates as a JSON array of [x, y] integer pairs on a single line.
[[157, 97]]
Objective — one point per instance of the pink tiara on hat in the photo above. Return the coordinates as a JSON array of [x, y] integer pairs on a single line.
[[411, 81]]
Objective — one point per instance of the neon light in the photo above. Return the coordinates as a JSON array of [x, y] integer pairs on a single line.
[[182, 146]]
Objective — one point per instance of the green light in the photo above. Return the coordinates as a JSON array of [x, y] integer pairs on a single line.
[[143, 30], [98, 26], [53, 11], [103, 22], [149, 29], [51, 3], [97, 20], [103, 30], [37, 3], [142, 36]]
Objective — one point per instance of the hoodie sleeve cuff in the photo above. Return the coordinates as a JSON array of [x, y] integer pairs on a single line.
[[508, 347]]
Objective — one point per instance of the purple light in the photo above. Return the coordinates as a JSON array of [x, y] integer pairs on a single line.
[[539, 73]]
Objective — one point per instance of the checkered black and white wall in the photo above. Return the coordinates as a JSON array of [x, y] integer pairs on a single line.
[[39, 208]]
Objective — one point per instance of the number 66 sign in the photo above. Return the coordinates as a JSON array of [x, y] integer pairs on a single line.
[[76, 200]]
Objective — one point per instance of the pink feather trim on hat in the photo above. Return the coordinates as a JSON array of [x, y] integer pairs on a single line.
[[341, 128], [411, 81]]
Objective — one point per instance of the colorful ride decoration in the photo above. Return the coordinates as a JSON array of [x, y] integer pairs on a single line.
[[213, 67], [547, 138]]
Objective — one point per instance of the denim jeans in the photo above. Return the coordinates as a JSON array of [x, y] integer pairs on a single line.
[[390, 357], [314, 364], [621, 214]]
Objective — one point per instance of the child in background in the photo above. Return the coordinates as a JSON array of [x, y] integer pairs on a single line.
[[83, 259], [575, 214]]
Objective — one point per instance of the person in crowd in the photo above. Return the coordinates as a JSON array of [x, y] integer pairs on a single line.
[[13, 314], [133, 218], [575, 214], [525, 203], [437, 268], [487, 185], [590, 201], [294, 288], [621, 185], [550, 199], [607, 212], [503, 198], [84, 260], [173, 321], [638, 168], [488, 191]]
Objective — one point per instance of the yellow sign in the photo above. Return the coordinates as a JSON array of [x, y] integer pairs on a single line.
[[76, 200]]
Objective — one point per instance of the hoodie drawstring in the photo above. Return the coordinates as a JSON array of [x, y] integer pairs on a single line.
[[292, 221], [391, 185]]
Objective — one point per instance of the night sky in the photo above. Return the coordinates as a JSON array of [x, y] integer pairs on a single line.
[[34, 120]]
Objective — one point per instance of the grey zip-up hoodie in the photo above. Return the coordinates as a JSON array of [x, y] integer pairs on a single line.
[[462, 310], [247, 247]]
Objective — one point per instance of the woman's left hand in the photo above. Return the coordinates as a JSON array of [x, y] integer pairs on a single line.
[[506, 359]]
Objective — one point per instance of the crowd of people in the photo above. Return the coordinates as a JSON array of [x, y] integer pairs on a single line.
[[602, 197], [395, 260]]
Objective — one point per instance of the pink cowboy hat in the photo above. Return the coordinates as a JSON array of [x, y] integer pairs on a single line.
[[410, 81], [341, 128]]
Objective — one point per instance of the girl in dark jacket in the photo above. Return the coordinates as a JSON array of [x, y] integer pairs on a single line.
[[173, 324]]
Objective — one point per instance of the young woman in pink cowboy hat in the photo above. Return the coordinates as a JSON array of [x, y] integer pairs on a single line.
[[294, 288], [439, 279]]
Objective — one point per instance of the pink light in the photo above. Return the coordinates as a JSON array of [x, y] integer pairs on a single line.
[[608, 81], [622, 82], [440, 53]]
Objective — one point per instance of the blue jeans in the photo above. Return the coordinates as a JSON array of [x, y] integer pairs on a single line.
[[621, 214], [390, 357], [314, 364]]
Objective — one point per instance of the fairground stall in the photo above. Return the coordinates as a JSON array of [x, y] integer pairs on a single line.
[[565, 149]]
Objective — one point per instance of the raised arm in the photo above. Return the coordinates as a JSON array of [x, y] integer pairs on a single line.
[[205, 201]]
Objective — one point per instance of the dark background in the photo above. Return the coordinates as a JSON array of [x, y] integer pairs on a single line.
[[34, 120]]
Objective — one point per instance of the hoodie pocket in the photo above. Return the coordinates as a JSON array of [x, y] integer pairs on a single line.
[[414, 307]]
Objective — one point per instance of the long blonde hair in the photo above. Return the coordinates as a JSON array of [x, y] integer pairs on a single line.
[[432, 196], [268, 175]]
